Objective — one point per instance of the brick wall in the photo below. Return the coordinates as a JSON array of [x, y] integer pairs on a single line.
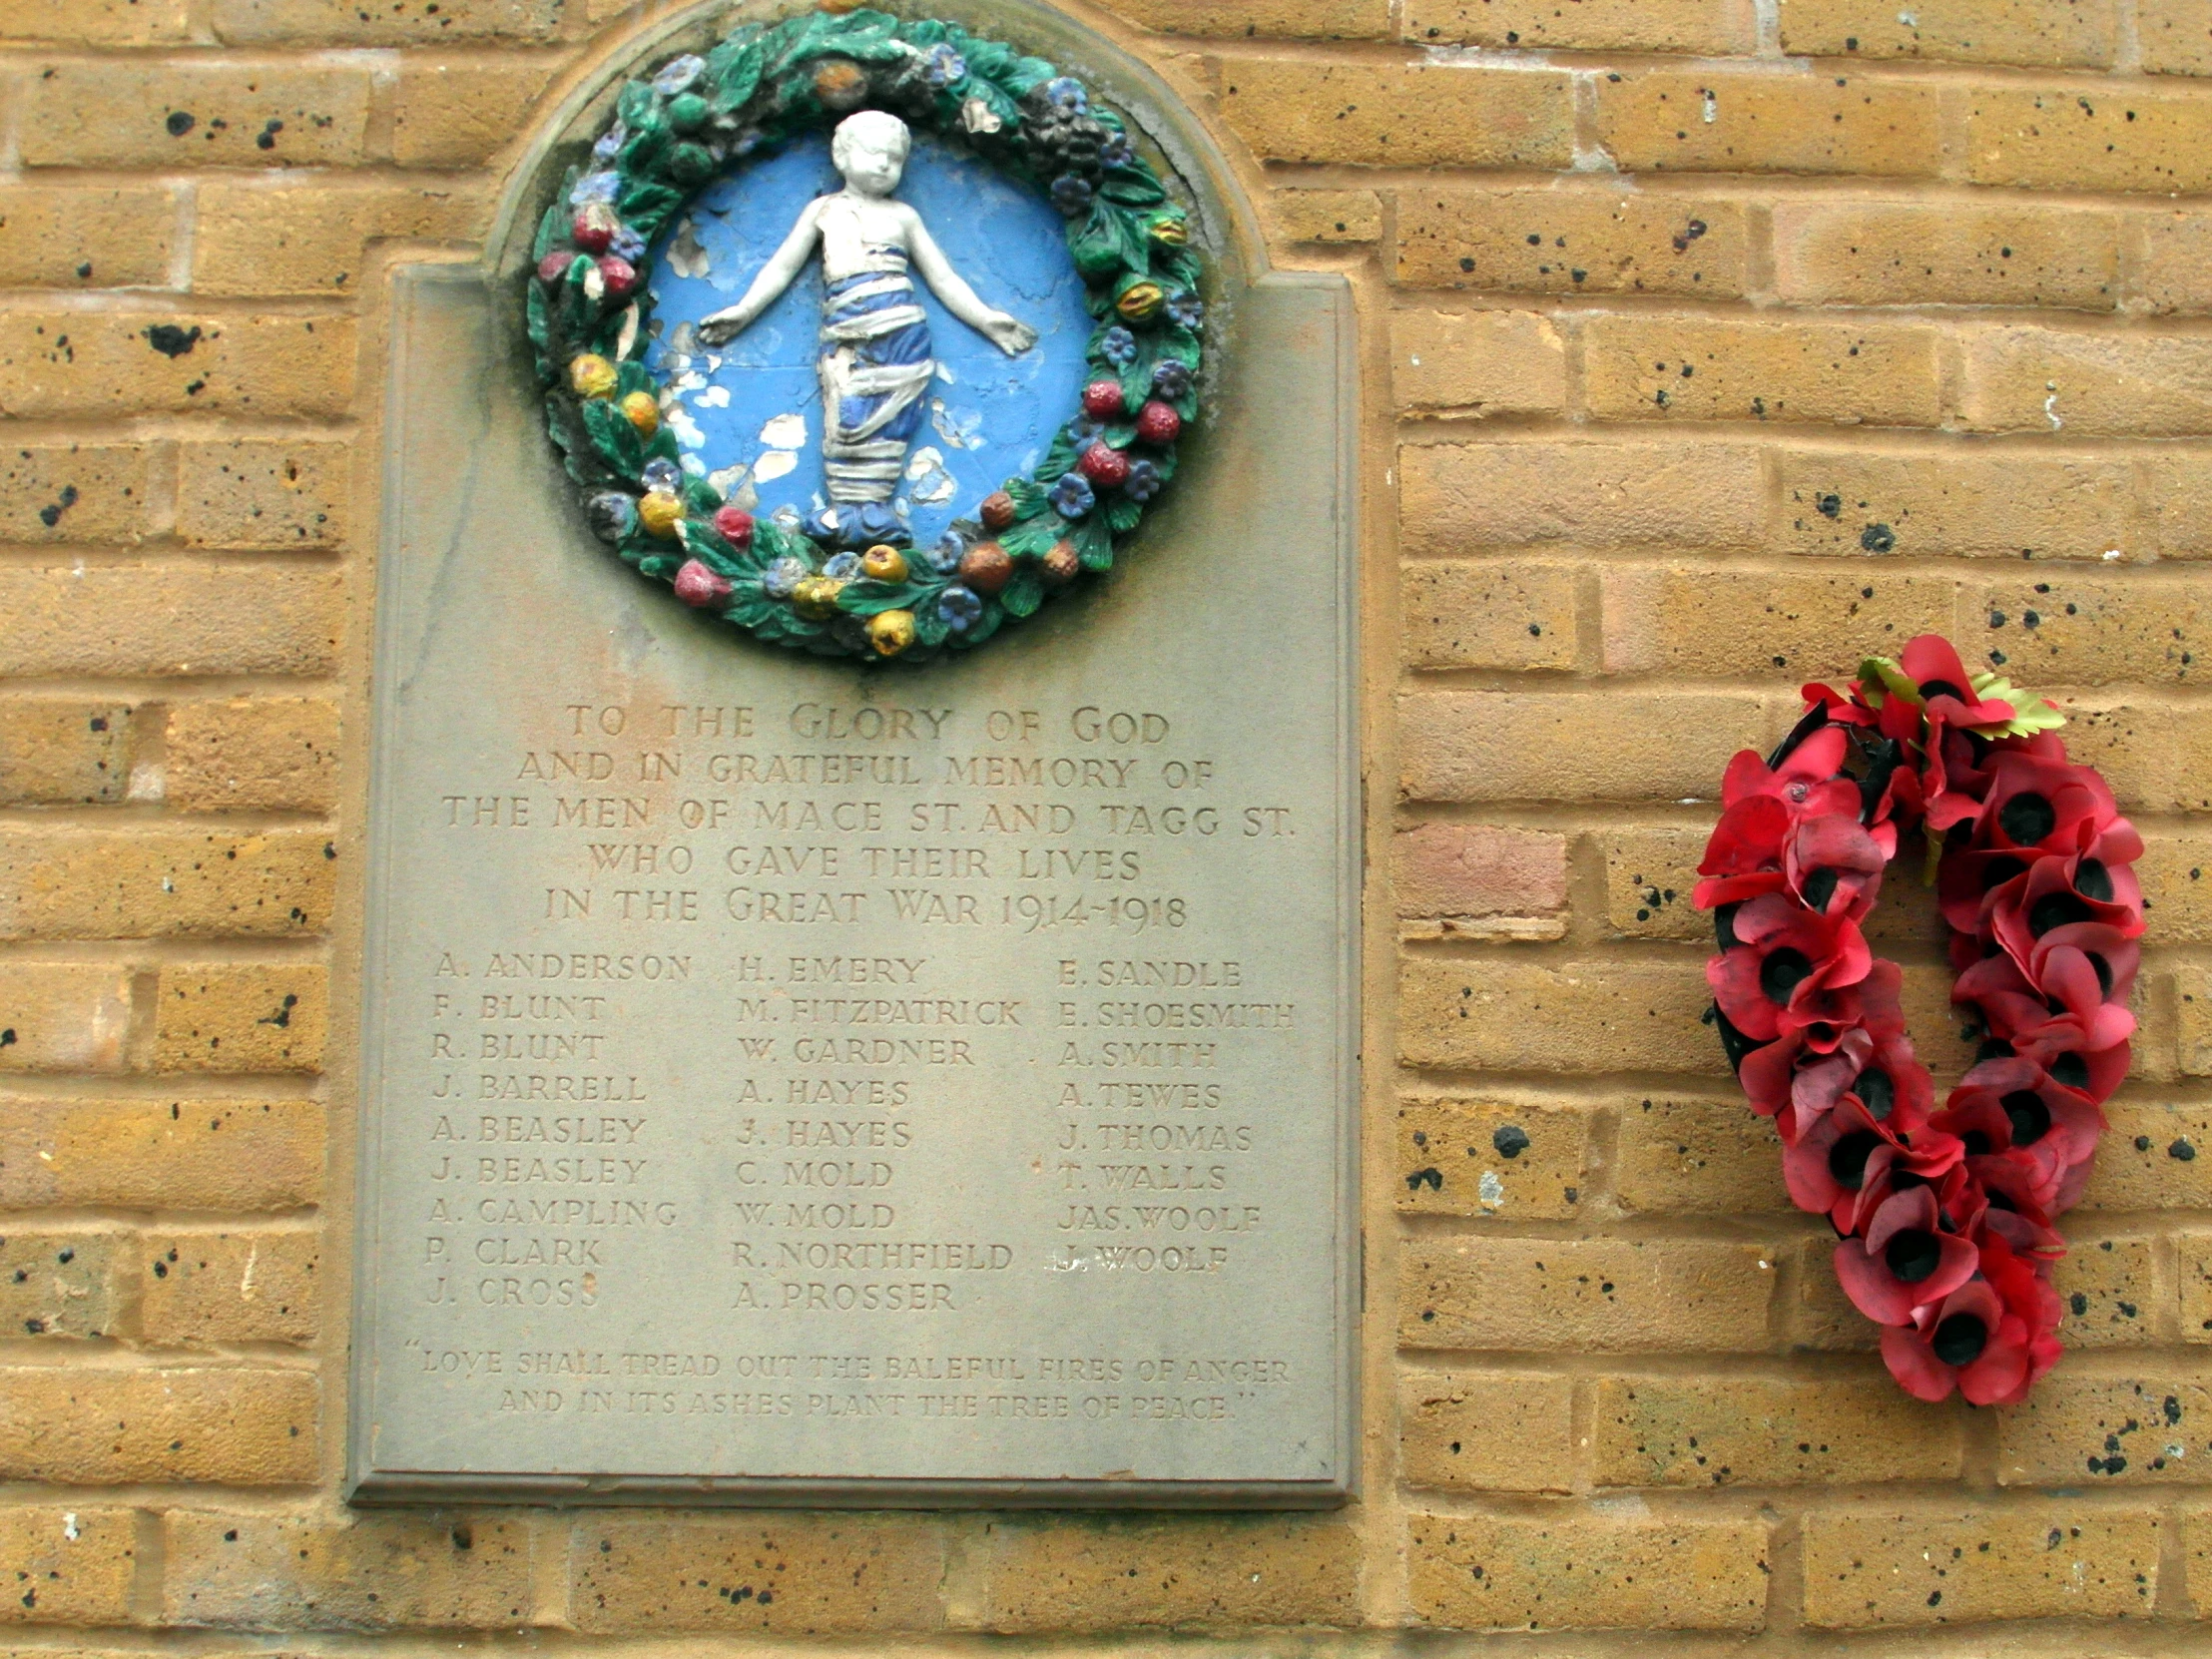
[[1710, 343]]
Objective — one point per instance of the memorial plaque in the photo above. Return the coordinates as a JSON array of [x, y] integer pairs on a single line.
[[798, 1079]]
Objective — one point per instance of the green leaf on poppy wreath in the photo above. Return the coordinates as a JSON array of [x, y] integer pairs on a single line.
[[1028, 499], [1094, 543], [1119, 435], [534, 314], [631, 376], [634, 105], [1026, 75], [579, 458], [930, 626], [1122, 515], [1163, 462], [1181, 344], [986, 625], [550, 226], [662, 446], [644, 150], [1058, 462], [1104, 246], [660, 567], [1033, 537], [614, 437], [749, 607], [739, 79], [1003, 107], [1024, 592], [701, 496]]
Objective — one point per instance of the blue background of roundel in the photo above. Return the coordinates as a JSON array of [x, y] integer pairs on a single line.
[[1003, 236]]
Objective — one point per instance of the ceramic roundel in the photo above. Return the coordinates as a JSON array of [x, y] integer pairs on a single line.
[[907, 295]]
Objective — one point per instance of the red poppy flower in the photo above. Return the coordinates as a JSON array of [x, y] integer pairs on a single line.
[[1803, 771], [2012, 1105], [1946, 689], [2067, 1014], [1906, 1260], [1835, 866], [1744, 858], [2111, 957], [2043, 802], [1927, 1158], [1784, 957], [1989, 1338]]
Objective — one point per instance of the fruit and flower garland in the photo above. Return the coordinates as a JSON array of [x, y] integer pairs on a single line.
[[1944, 1216], [696, 116]]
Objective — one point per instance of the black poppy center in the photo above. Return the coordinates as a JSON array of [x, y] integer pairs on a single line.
[[1961, 1338], [2071, 1070], [1942, 688], [2103, 971], [1781, 972], [1879, 1094], [1847, 1159], [2094, 880], [1904, 1180], [1992, 1048], [2056, 909], [2000, 870], [1914, 1255], [1976, 1142], [1724, 926], [2031, 1117], [2027, 818]]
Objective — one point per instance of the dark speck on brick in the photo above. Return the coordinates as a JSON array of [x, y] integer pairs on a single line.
[[171, 341], [2181, 1150], [1510, 1141], [180, 123]]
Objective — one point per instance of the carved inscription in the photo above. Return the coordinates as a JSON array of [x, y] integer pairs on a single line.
[[904, 943]]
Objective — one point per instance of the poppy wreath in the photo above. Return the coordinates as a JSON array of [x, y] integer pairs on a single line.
[[1945, 1217], [588, 316]]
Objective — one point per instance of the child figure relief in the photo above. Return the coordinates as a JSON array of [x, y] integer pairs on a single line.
[[876, 363]]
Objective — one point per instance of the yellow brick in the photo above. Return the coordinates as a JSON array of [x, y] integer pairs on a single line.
[[58, 752], [1487, 1014], [1469, 876], [2194, 1252], [1478, 1158], [1295, 19], [61, 363], [206, 1289], [60, 1016], [2176, 273], [463, 1569], [234, 1426], [257, 493], [1953, 502], [2152, 756], [1576, 1570], [1712, 27], [234, 1155], [1569, 241], [2075, 1430], [1571, 746], [460, 112], [1388, 115], [2053, 1562], [259, 753], [1947, 255], [92, 884], [1458, 614], [2193, 987], [1458, 498], [1702, 369], [1113, 1574], [1768, 122], [2090, 137], [1691, 1157], [1760, 1431], [1822, 1318], [2035, 32], [1326, 215], [2153, 1156], [241, 1019], [394, 23], [1478, 362], [67, 1566], [273, 237], [2087, 386], [794, 1574], [2079, 629], [2175, 491], [74, 492], [1509, 1432], [59, 1284], [97, 22], [67, 237], [2175, 36], [192, 113], [1725, 623], [1612, 1296], [1650, 874], [185, 619]]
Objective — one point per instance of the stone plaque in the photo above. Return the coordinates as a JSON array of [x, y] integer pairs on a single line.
[[790, 1080]]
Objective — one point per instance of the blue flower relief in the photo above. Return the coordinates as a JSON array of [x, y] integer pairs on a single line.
[[604, 185], [1071, 496], [677, 74], [1171, 379], [959, 609], [1119, 347], [1065, 95], [1143, 482], [662, 475], [1071, 195], [941, 65], [782, 577], [1187, 310], [610, 143]]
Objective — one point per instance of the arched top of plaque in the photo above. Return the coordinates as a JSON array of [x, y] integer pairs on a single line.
[[706, 140]]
